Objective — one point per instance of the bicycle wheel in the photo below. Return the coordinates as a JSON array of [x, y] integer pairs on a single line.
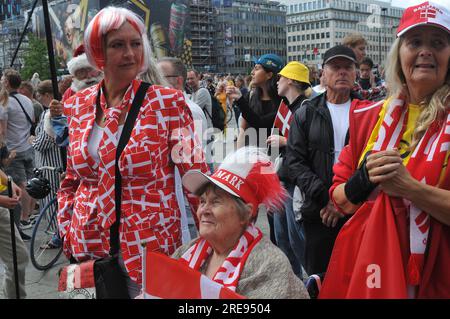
[[46, 227]]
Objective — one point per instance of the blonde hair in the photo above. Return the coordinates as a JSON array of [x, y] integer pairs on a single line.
[[353, 39], [433, 107], [153, 74]]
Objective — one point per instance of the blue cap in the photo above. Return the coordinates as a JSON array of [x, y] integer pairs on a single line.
[[271, 62]]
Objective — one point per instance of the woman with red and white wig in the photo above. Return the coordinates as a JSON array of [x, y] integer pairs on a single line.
[[231, 250], [394, 175], [163, 136]]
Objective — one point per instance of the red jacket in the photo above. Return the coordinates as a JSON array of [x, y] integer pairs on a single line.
[[390, 233], [150, 212]]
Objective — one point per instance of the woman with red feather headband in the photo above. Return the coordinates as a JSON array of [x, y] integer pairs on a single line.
[[161, 138], [231, 250], [394, 176]]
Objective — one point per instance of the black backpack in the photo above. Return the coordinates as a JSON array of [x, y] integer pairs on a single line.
[[218, 114]]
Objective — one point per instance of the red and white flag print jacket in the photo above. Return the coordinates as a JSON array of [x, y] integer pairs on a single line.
[[163, 136]]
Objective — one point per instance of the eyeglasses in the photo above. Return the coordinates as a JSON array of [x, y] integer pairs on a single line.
[[171, 76]]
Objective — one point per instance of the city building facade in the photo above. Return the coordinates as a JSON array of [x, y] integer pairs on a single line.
[[246, 30], [313, 26]]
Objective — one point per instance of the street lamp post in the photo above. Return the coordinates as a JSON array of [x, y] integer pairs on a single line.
[[383, 10]]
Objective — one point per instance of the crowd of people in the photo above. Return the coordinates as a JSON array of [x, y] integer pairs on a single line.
[[348, 165]]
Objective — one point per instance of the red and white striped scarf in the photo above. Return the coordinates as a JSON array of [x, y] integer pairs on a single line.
[[229, 273], [425, 165]]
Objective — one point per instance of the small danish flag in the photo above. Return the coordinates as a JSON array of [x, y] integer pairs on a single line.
[[428, 12], [167, 278], [283, 119]]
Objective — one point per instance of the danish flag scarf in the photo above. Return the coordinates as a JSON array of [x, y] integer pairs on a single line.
[[371, 239], [229, 273], [107, 153]]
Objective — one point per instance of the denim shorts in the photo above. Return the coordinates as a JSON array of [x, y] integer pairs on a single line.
[[22, 166]]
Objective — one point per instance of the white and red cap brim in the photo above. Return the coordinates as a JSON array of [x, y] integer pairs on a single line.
[[194, 181], [235, 185], [427, 13], [78, 62]]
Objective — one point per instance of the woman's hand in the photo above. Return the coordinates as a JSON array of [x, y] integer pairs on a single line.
[[383, 165], [233, 93], [276, 141], [8, 202], [17, 191], [400, 184], [56, 108]]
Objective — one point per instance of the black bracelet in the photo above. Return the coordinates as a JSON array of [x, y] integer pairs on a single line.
[[359, 186]]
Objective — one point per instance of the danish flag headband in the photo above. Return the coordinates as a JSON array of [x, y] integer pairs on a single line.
[[248, 174], [428, 12]]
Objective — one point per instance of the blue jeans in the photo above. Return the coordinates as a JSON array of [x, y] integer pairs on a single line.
[[289, 235], [296, 231]]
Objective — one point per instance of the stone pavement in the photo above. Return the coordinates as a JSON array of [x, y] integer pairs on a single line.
[[44, 284], [39, 284]]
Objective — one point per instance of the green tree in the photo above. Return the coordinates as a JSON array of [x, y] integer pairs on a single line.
[[36, 59]]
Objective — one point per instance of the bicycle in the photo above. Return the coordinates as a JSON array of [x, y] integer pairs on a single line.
[[45, 229]]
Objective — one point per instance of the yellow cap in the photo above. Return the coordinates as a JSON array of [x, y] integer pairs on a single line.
[[296, 71]]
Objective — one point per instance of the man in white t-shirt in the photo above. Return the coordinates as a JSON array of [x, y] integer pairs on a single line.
[[318, 133]]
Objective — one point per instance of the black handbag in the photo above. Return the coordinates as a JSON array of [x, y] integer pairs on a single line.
[[110, 281]]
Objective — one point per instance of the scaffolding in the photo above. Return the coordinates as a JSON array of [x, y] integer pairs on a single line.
[[203, 20]]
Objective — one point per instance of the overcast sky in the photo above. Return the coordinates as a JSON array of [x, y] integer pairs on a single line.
[[398, 3], [404, 3], [407, 3]]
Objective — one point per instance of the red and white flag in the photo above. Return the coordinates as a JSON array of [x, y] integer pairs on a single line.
[[283, 119], [167, 278]]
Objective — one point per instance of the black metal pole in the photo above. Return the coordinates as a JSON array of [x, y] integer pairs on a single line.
[[13, 240], [23, 33], [51, 55]]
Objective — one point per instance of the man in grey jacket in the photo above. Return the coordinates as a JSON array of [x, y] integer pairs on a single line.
[[199, 95]]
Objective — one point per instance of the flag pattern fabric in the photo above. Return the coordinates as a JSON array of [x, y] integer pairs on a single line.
[[77, 281], [362, 267], [283, 119], [167, 278], [163, 136], [229, 273]]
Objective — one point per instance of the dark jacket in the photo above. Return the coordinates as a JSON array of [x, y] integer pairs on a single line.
[[283, 173], [310, 154], [258, 119]]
